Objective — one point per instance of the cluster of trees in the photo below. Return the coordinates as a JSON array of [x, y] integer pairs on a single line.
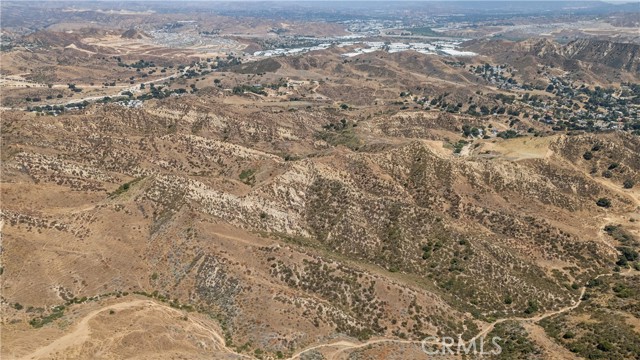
[[508, 134], [627, 255], [73, 88], [158, 92], [193, 73], [338, 126], [56, 109], [468, 130], [140, 64], [241, 89], [230, 60]]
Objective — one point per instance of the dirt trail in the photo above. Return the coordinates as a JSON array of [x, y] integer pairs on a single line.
[[348, 345], [82, 331], [538, 318], [134, 89], [538, 335]]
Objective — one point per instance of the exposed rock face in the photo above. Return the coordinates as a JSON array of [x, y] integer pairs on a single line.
[[623, 56], [617, 55]]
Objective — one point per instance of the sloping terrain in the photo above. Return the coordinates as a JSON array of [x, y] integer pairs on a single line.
[[286, 239], [242, 181], [616, 55], [591, 60]]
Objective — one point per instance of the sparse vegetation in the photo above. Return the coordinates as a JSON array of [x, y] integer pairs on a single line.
[[242, 89], [597, 329], [350, 188], [55, 314], [514, 343], [532, 307], [125, 187], [341, 133], [248, 176]]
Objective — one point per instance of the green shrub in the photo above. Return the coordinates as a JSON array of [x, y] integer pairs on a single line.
[[57, 313], [532, 307], [124, 187], [248, 176], [628, 184]]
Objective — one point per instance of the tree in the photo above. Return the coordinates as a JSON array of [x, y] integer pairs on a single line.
[[604, 202], [588, 155], [532, 307], [628, 253], [466, 130], [628, 184]]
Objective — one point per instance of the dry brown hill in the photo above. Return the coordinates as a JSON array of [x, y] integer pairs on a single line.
[[134, 34], [593, 61], [612, 54], [285, 237]]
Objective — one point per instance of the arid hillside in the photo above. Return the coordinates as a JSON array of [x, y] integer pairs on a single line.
[[589, 60], [291, 228], [319, 180]]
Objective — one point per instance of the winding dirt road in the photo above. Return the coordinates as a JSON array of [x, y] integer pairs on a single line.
[[348, 345], [134, 89], [82, 330]]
